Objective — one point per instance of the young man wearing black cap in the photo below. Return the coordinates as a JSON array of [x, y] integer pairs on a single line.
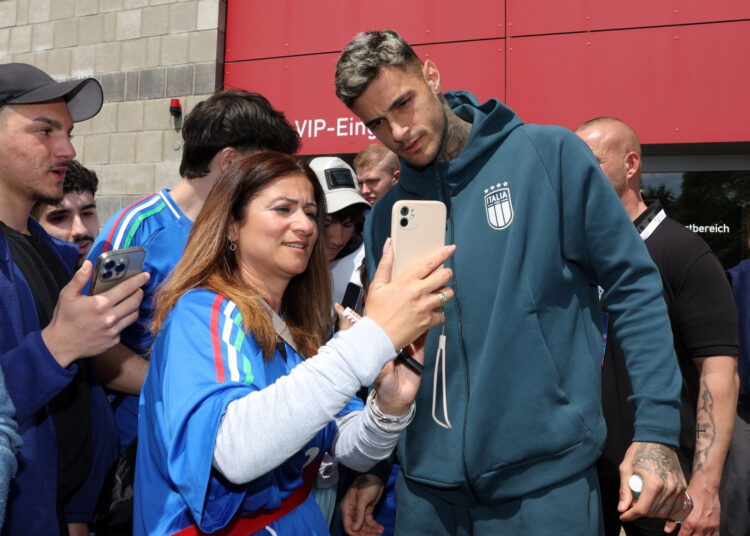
[[48, 326]]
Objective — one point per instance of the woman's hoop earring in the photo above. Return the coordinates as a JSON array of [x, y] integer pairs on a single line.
[[232, 245]]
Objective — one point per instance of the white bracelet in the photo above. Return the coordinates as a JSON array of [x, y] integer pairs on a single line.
[[389, 423]]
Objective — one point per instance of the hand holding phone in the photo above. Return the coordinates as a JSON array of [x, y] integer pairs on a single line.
[[99, 318], [115, 266]]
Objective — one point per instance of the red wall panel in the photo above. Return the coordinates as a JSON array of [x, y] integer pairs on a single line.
[[656, 64], [683, 84], [534, 17], [263, 29], [302, 87]]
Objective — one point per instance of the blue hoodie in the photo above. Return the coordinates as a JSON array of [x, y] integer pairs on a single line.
[[33, 378], [538, 227]]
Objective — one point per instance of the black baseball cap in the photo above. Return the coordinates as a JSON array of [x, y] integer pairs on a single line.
[[21, 83]]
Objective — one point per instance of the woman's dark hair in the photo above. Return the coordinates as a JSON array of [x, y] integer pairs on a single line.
[[208, 263]]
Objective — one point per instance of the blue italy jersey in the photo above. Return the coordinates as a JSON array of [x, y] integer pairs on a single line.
[[201, 361], [158, 225]]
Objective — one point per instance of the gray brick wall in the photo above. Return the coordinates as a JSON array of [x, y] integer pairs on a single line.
[[143, 52]]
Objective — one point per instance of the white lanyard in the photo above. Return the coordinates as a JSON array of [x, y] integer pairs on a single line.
[[653, 224], [648, 231]]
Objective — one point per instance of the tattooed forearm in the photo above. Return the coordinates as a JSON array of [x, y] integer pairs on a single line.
[[705, 427], [455, 138]]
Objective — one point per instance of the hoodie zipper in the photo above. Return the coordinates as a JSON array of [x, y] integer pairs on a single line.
[[442, 196]]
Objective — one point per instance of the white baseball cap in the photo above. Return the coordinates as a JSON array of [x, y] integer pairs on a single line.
[[339, 183]]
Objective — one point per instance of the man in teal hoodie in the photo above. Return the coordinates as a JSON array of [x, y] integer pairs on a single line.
[[538, 229]]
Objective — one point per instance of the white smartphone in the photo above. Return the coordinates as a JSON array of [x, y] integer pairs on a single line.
[[417, 230], [114, 267]]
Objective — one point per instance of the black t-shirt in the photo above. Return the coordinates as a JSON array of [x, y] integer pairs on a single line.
[[70, 409], [704, 323]]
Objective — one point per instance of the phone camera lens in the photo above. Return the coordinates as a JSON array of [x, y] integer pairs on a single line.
[[120, 267], [404, 211], [109, 265], [106, 275], [404, 222]]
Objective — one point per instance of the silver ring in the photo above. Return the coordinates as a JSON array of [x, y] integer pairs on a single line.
[[443, 299]]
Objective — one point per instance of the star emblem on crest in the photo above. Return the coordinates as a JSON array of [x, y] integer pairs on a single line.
[[496, 186]]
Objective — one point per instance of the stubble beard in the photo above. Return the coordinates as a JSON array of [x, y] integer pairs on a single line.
[[437, 128], [41, 197]]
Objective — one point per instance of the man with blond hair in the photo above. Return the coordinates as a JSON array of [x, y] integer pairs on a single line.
[[377, 171]]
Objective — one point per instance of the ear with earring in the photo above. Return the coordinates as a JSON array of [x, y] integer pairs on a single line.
[[232, 245]]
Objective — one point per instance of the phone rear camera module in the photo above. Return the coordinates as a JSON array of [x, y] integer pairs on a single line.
[[120, 267], [404, 211], [109, 265], [106, 276], [404, 222]]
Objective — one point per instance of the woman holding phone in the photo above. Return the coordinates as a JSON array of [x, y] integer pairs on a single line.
[[242, 398]]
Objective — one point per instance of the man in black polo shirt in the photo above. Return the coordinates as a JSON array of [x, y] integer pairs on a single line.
[[702, 313], [47, 328]]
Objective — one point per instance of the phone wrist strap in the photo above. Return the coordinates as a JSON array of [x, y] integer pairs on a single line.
[[440, 369]]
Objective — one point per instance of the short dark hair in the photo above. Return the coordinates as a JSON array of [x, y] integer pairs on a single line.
[[80, 179], [362, 58], [234, 118], [352, 213]]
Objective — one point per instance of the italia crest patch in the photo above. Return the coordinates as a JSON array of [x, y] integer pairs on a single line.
[[498, 206]]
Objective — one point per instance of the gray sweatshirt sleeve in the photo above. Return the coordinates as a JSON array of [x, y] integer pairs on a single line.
[[359, 443], [297, 406]]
